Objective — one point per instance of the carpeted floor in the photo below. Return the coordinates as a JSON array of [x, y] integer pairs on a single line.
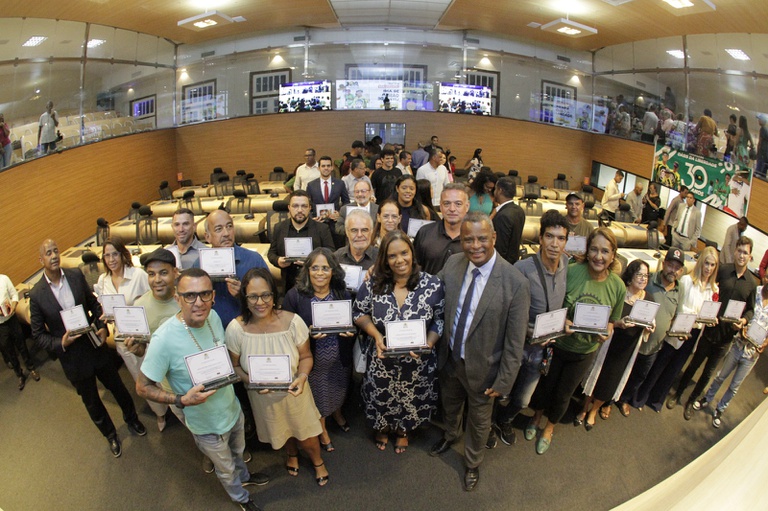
[[53, 458]]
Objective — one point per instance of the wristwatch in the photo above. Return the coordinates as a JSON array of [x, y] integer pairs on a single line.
[[178, 402]]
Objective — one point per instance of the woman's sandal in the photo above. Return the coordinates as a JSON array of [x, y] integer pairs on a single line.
[[605, 412], [292, 471], [321, 480], [327, 447], [399, 447], [381, 441]]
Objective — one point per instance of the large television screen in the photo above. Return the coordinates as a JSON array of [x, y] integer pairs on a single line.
[[418, 96], [368, 94], [305, 96], [464, 99]]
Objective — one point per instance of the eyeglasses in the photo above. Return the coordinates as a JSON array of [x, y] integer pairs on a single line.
[[318, 269], [641, 276], [192, 296], [264, 297]]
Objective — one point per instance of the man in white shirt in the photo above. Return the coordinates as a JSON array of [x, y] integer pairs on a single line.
[[12, 340], [46, 131], [404, 162], [436, 174], [650, 122], [737, 199], [635, 201], [612, 195], [307, 172], [356, 174]]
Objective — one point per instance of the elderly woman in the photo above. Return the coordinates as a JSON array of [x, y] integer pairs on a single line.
[[615, 359], [481, 192], [697, 287], [387, 220], [322, 279], [399, 393], [409, 201], [289, 418], [124, 279], [592, 281]]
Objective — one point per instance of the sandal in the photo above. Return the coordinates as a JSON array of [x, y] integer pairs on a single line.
[[381, 441], [343, 427], [401, 443], [292, 471], [605, 412], [321, 480], [579, 419]]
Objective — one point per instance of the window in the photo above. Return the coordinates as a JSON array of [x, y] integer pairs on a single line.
[[404, 73], [490, 79], [198, 102], [265, 90]]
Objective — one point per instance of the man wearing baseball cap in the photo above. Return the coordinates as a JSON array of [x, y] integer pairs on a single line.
[[663, 289]]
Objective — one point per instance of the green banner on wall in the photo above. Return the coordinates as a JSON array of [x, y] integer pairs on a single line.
[[720, 184]]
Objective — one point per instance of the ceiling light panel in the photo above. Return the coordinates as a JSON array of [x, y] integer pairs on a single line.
[[205, 20], [686, 7], [569, 28], [35, 40], [422, 13], [737, 54], [678, 54]]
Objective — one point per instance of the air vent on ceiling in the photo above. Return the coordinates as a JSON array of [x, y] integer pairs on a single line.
[[208, 54], [136, 74], [640, 84], [472, 40], [564, 59], [298, 38]]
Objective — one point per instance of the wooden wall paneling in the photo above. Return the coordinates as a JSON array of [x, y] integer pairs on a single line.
[[61, 196], [259, 143], [629, 155]]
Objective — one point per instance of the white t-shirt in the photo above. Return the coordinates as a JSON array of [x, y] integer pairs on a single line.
[[48, 134], [437, 177], [304, 175]]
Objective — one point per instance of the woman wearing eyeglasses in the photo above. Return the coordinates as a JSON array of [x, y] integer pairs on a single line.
[[322, 279], [289, 418], [399, 392], [387, 220]]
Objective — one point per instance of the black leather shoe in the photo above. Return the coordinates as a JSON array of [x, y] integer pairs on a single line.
[[688, 411], [22, 381], [440, 447], [493, 439], [136, 427], [34, 374], [471, 477], [114, 446]]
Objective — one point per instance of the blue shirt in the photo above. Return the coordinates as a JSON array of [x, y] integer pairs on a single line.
[[165, 358], [228, 306]]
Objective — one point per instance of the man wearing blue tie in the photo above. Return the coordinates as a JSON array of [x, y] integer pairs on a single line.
[[486, 314]]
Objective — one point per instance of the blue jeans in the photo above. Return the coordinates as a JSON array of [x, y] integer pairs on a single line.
[[226, 453], [527, 379], [737, 362]]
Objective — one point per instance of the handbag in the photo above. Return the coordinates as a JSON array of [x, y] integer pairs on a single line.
[[358, 357]]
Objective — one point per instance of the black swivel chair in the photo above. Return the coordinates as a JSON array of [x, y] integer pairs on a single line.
[[223, 187], [278, 214], [588, 193], [515, 177], [624, 214], [146, 227], [239, 204], [217, 175], [589, 210], [133, 213], [165, 191], [653, 235], [531, 196], [191, 202], [278, 174], [561, 183], [102, 231], [91, 268], [252, 186]]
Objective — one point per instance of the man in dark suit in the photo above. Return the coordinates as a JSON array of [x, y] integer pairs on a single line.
[[59, 290], [328, 190], [509, 220], [486, 314]]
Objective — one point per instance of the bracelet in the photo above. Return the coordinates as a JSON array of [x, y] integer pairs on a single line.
[[178, 402]]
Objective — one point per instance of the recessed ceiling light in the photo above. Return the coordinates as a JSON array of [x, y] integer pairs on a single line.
[[93, 43], [570, 28], [680, 4], [678, 54], [205, 23], [737, 54], [205, 20], [35, 40]]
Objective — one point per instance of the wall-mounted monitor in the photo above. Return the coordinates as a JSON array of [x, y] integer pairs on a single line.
[[305, 96], [464, 99], [368, 94], [418, 96]]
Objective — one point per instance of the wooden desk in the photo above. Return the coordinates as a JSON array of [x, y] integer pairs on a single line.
[[200, 191], [547, 193], [245, 230], [267, 186], [627, 235], [259, 204]]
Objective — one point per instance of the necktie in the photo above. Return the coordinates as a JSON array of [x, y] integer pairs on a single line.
[[458, 335], [684, 227], [325, 192]]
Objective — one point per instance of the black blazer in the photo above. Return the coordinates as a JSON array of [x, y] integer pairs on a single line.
[[80, 358], [509, 223], [337, 194]]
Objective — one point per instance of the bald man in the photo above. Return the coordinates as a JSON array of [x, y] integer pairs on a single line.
[[84, 357], [220, 233]]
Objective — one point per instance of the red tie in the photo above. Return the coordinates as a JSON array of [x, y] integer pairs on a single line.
[[325, 193]]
